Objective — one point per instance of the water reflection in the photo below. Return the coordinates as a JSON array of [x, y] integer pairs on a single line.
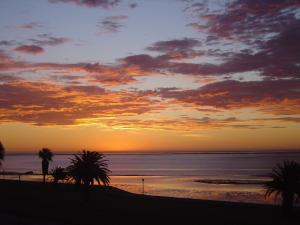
[[175, 174]]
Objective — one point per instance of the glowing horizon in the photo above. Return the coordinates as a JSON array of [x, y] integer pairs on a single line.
[[107, 75]]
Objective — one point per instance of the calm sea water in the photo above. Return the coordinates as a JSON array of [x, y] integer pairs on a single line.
[[226, 175]]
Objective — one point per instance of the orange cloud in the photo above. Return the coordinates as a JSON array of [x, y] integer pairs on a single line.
[[44, 104]]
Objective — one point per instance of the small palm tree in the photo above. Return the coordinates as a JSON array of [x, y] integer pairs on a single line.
[[58, 173], [46, 155], [2, 153], [285, 182], [87, 167]]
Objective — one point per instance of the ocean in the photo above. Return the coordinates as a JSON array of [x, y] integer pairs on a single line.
[[233, 177]]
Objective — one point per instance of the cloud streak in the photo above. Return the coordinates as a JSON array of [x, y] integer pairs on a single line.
[[31, 25], [48, 40], [272, 96], [112, 24], [43, 104], [90, 3], [29, 49], [94, 73]]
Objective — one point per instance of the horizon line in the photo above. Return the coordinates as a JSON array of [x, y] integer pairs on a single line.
[[164, 152]]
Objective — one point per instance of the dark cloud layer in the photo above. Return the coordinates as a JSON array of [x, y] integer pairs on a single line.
[[175, 45], [146, 62], [177, 49], [243, 18], [268, 30], [269, 95], [278, 57]]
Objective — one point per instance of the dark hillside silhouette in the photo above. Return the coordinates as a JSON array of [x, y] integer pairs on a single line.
[[110, 206]]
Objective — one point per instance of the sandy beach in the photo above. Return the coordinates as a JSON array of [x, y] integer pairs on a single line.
[[38, 203]]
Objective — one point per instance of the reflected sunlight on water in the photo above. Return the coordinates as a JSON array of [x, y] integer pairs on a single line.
[[174, 175], [188, 188]]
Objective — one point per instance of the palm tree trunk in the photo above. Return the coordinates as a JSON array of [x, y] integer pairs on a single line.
[[86, 189], [45, 165], [287, 203]]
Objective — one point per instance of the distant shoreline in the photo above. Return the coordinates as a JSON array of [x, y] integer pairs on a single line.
[[231, 181]]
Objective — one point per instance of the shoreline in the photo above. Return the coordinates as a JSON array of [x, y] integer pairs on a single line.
[[232, 190], [64, 204], [231, 181]]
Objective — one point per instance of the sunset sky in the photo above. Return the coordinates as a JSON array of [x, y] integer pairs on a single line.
[[141, 75]]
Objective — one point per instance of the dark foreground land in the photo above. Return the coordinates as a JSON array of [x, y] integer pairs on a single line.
[[37, 203]]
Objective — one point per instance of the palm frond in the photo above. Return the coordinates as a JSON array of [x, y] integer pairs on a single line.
[[58, 173], [46, 154], [285, 179], [89, 166]]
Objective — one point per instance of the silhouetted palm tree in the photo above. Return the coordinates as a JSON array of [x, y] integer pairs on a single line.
[[2, 153], [87, 167], [58, 173], [286, 182], [46, 155]]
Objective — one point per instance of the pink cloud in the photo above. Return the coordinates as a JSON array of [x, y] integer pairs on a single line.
[[174, 45], [29, 49], [31, 25], [4, 58], [90, 73], [90, 3]]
